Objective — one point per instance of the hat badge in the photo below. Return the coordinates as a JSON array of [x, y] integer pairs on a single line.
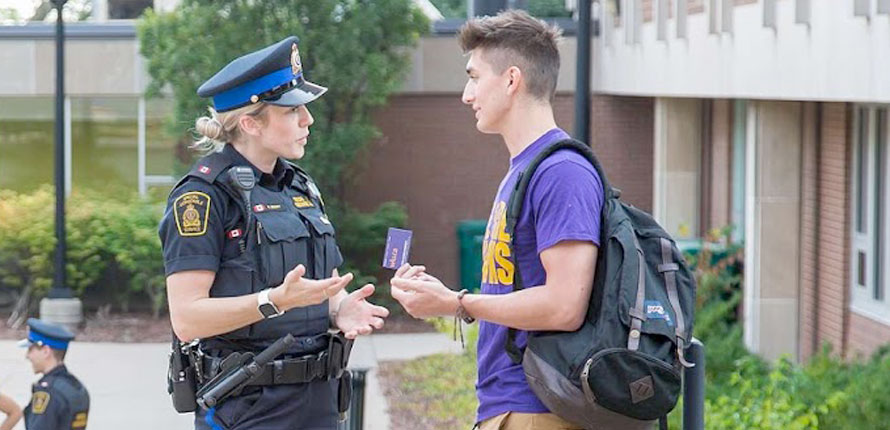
[[295, 64]]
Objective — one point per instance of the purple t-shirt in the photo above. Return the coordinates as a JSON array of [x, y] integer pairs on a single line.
[[564, 202]]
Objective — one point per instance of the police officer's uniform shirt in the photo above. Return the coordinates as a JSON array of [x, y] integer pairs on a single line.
[[58, 401], [202, 225], [200, 215]]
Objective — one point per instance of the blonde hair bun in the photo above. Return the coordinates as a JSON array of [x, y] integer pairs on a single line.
[[209, 128]]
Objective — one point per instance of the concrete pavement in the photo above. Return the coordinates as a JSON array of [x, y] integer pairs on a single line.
[[128, 386]]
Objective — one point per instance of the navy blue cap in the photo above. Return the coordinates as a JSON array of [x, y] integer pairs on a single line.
[[273, 75], [43, 333]]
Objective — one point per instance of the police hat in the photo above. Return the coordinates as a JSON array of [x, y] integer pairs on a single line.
[[273, 75], [44, 333]]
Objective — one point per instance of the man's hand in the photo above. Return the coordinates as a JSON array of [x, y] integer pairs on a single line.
[[422, 295], [357, 316], [297, 292]]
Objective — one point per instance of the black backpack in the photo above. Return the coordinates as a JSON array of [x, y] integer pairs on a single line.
[[622, 368]]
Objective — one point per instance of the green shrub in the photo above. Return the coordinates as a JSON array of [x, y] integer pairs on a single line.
[[115, 240], [102, 234], [775, 401]]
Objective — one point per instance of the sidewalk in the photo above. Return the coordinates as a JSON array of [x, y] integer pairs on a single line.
[[128, 389]]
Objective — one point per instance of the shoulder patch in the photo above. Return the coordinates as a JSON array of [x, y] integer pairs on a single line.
[[191, 211], [39, 402]]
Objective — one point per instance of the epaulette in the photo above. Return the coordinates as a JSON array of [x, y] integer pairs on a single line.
[[209, 167]]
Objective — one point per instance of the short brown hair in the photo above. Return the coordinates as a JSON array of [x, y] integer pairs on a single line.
[[59, 354], [515, 38]]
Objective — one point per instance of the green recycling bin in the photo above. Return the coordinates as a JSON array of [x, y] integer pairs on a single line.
[[470, 234]]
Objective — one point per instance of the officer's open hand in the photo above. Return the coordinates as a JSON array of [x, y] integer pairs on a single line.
[[296, 291], [421, 294], [356, 316]]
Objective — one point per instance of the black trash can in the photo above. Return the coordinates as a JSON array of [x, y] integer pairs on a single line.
[[356, 415]]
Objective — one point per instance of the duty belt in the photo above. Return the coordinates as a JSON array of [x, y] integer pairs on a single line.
[[326, 364]]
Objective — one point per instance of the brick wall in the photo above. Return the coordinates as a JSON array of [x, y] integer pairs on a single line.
[[432, 159], [866, 335], [622, 133], [833, 233]]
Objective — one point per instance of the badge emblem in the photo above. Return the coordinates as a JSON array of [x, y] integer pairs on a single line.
[[39, 402], [204, 169], [302, 202], [191, 211], [296, 65]]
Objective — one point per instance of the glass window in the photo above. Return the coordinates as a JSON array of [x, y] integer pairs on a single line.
[[27, 136], [128, 9], [160, 148], [870, 259], [862, 169], [104, 142], [739, 128]]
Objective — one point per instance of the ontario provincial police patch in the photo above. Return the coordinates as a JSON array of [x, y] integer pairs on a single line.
[[191, 211], [655, 310]]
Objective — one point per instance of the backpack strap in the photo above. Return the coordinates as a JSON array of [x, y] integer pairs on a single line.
[[636, 313], [669, 269], [514, 209]]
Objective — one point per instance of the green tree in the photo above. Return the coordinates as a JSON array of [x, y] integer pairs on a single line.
[[354, 47], [538, 8]]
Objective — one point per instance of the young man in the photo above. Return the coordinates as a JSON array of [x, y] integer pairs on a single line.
[[513, 66], [58, 400]]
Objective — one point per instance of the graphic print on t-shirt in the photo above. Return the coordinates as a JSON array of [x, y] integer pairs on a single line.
[[497, 266]]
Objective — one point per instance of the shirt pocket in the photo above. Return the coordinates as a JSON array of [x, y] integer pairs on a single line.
[[325, 253], [284, 242]]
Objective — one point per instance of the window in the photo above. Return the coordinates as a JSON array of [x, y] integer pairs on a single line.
[[128, 9], [870, 260], [104, 136], [739, 136], [27, 138]]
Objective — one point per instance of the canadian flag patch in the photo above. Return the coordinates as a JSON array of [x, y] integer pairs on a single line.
[[204, 169], [259, 208], [234, 233]]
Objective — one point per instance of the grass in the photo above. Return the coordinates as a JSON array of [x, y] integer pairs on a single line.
[[435, 392]]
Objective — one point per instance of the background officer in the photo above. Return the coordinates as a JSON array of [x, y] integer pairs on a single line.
[[58, 400], [250, 254]]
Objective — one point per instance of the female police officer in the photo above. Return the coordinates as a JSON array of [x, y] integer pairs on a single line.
[[250, 255]]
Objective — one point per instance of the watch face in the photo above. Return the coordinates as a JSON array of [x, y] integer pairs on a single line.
[[268, 310]]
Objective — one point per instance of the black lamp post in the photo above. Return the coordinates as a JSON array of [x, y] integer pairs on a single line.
[[60, 289], [582, 74]]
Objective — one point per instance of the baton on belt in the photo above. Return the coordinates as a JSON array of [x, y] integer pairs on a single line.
[[223, 385]]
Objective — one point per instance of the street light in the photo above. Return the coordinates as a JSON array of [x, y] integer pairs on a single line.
[[60, 305]]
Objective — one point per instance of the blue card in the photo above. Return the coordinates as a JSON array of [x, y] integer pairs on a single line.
[[398, 245]]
